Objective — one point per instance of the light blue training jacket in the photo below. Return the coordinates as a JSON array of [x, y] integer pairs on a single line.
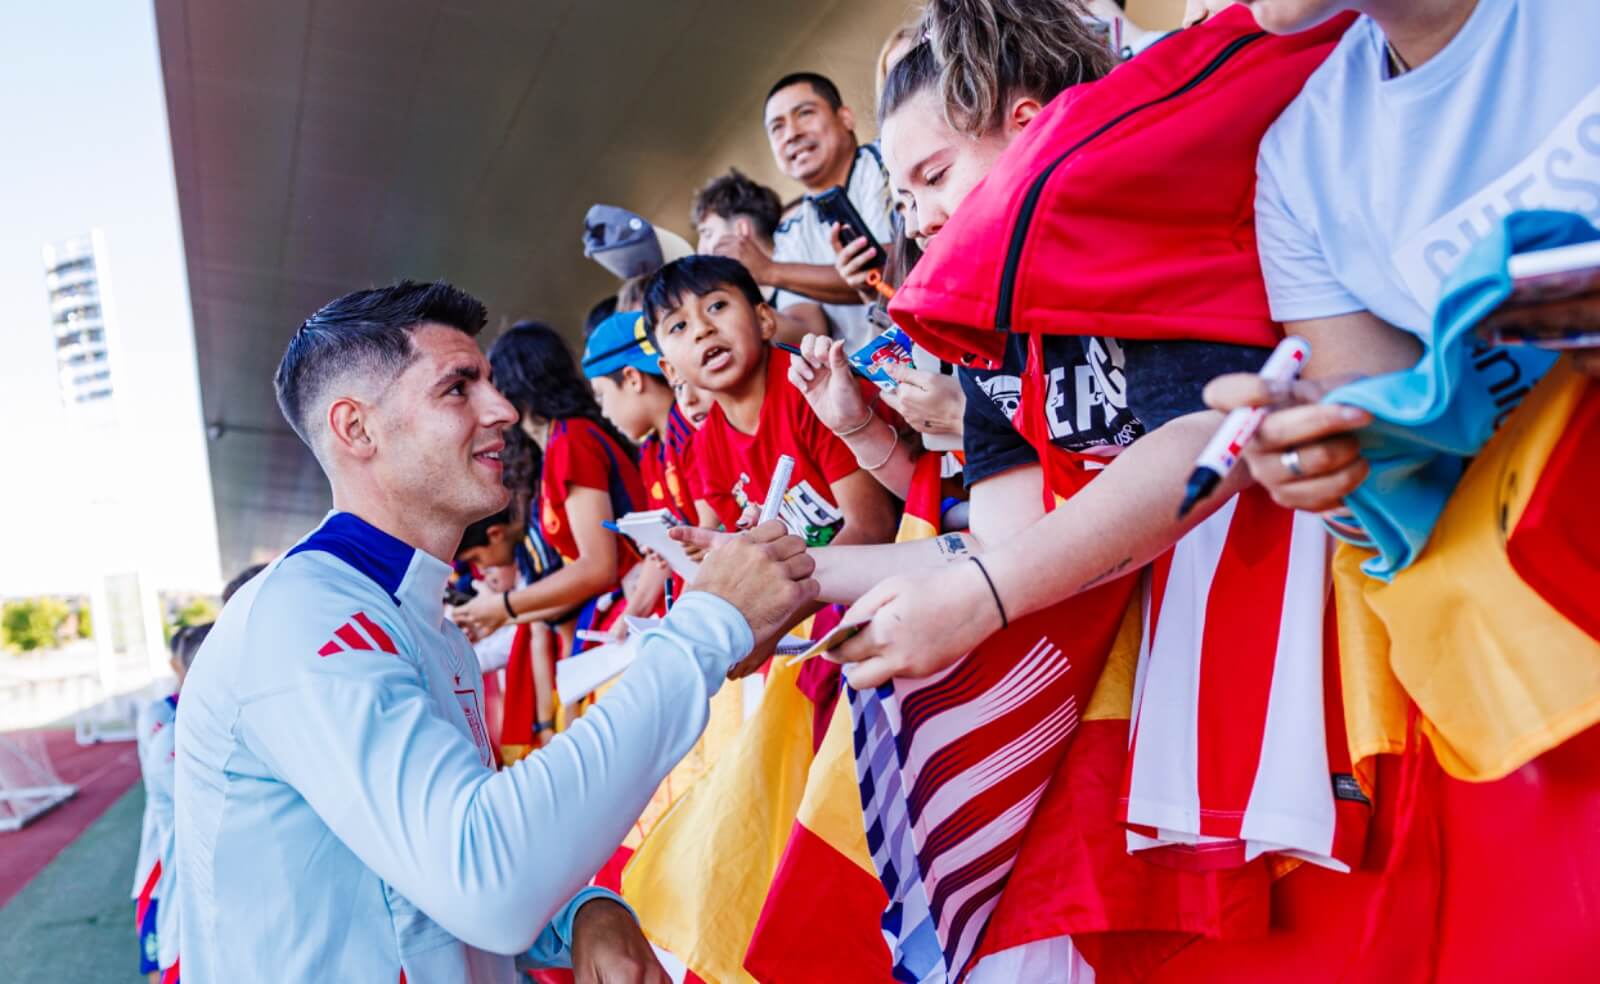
[[338, 815]]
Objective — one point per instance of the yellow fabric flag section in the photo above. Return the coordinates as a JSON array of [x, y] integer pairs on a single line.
[[722, 728], [699, 880], [831, 807], [1498, 675]]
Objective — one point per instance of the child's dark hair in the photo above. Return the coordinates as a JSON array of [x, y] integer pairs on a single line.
[[477, 535], [698, 275], [535, 370]]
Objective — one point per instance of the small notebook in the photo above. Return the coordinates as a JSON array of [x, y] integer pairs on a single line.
[[649, 531]]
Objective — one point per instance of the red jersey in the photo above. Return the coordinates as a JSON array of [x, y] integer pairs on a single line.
[[581, 454], [733, 468], [665, 467]]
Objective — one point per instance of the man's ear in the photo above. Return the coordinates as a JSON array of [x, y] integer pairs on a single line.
[[744, 227], [1023, 110], [632, 379], [348, 430], [848, 118], [668, 371], [496, 533]]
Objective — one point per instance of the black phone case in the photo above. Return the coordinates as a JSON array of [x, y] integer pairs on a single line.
[[833, 206]]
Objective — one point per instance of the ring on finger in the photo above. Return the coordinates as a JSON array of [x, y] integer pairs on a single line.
[[1290, 460]]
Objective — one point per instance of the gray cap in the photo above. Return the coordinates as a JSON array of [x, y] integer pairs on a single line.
[[627, 245]]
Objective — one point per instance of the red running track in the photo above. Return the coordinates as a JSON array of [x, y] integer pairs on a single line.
[[102, 774]]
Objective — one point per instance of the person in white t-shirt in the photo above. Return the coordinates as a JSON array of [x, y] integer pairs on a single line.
[[1427, 125], [812, 135]]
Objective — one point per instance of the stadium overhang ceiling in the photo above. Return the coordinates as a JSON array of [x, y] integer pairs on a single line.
[[326, 145]]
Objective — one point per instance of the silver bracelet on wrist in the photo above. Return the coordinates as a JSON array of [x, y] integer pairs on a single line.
[[859, 427], [892, 446]]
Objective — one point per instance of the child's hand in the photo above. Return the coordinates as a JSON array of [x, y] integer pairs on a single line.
[[697, 540], [822, 375], [747, 251]]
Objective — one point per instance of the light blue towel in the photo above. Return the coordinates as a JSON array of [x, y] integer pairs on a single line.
[[1432, 418]]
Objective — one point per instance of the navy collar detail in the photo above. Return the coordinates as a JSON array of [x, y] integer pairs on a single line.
[[382, 558]]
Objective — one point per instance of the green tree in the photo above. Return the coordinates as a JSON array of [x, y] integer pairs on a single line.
[[85, 623], [197, 612], [27, 624]]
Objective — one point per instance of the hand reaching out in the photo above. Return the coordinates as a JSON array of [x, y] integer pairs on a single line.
[[930, 402], [822, 375]]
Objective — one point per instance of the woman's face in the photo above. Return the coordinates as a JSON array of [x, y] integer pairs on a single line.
[[1289, 16], [931, 166]]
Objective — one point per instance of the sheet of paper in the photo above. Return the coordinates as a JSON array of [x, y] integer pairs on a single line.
[[580, 675], [649, 531]]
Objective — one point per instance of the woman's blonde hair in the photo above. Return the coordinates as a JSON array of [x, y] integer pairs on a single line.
[[905, 34], [989, 51]]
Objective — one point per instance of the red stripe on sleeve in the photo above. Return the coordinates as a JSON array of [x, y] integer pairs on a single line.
[[378, 635], [352, 638]]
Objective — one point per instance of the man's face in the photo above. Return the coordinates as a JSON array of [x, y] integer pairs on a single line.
[[437, 430], [715, 341], [810, 140], [498, 552], [623, 403]]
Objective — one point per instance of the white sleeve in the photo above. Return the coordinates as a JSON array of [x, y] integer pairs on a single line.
[[491, 856], [155, 755], [494, 652], [1300, 283]]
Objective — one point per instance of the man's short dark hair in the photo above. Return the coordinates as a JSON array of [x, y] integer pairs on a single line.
[[821, 84], [186, 643], [368, 330], [698, 275], [733, 194], [477, 535], [240, 580]]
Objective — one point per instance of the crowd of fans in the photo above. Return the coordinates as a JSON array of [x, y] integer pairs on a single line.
[[1088, 238]]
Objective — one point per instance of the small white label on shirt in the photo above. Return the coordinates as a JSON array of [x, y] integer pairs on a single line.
[[468, 699]]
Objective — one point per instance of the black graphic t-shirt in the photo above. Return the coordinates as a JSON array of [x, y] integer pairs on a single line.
[[1101, 394]]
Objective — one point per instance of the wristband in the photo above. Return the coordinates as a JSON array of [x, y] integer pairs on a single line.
[[859, 427], [506, 598], [993, 591], [892, 446]]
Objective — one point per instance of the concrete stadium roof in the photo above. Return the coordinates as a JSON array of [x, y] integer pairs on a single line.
[[321, 146]]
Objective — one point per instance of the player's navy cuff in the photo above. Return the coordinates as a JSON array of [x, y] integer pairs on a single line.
[[562, 923]]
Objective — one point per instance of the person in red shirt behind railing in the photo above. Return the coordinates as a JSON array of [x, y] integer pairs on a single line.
[[572, 472]]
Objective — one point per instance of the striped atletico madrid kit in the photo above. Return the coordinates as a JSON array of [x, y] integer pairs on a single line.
[[1237, 741]]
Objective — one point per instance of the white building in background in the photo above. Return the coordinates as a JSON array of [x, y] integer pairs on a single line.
[[127, 619], [78, 319]]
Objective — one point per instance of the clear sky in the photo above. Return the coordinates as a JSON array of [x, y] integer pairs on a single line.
[[86, 146]]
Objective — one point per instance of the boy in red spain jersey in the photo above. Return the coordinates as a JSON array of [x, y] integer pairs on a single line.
[[706, 316]]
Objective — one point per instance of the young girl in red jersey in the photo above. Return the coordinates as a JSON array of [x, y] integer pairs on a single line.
[[570, 472]]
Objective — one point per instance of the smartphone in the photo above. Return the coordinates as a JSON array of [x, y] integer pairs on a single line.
[[833, 207], [454, 597], [1554, 302]]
